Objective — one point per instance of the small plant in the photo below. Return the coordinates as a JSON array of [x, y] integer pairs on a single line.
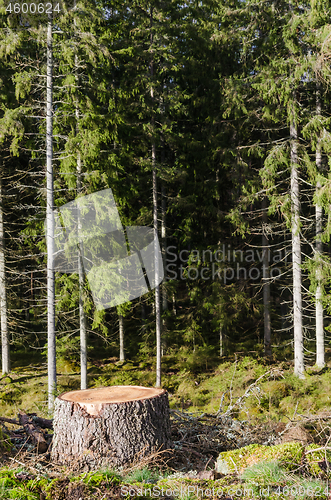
[[265, 473], [144, 475], [187, 496]]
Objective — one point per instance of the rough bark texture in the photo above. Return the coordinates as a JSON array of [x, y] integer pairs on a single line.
[[110, 427]]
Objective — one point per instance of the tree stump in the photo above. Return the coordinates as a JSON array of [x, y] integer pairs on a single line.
[[110, 426]]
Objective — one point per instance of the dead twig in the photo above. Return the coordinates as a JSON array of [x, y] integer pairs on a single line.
[[9, 421], [324, 448], [239, 402]]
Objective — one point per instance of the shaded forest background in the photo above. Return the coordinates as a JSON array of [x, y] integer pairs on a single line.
[[234, 99]]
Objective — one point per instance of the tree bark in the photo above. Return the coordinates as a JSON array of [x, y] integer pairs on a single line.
[[155, 224], [82, 315], [320, 356], [221, 340], [5, 349], [51, 349], [164, 256], [266, 281], [296, 254], [110, 427], [121, 332]]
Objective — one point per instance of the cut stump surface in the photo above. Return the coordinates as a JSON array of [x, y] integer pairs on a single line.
[[110, 426]]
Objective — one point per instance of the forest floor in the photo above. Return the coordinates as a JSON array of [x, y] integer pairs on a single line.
[[237, 404]]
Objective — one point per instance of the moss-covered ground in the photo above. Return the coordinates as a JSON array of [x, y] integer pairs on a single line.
[[196, 385], [261, 480], [191, 385]]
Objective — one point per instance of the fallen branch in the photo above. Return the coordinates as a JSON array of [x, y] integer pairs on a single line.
[[189, 450], [240, 400], [9, 421], [324, 448], [44, 423], [37, 436]]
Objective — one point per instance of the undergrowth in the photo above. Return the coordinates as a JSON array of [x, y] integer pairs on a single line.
[[277, 396]]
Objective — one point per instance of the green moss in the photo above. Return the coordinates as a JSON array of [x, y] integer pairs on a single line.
[[289, 456], [6, 482], [204, 388], [11, 488], [20, 493], [95, 478]]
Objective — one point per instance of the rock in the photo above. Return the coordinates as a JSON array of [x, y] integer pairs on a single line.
[[289, 455], [206, 474]]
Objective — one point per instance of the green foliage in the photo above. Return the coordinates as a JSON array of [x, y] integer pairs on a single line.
[[272, 475], [265, 474], [144, 475]]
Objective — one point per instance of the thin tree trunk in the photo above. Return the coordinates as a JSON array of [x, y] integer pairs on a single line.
[[221, 340], [51, 351], [296, 255], [155, 224], [164, 255], [5, 351], [320, 359], [82, 316], [266, 281], [121, 329]]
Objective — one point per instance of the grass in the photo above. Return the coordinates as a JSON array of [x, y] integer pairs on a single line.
[[144, 475], [198, 389], [275, 480]]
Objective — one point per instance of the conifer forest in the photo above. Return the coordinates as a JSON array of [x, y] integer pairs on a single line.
[[165, 223], [210, 122]]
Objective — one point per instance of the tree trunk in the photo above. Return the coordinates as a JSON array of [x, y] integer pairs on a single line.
[[110, 427], [51, 349], [164, 255], [5, 350], [155, 224], [320, 359], [296, 255], [121, 329], [82, 316], [221, 340], [266, 281]]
